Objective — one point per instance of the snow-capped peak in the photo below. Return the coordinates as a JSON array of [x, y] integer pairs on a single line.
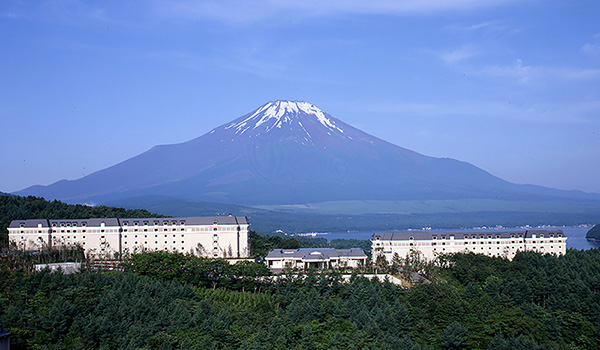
[[278, 113]]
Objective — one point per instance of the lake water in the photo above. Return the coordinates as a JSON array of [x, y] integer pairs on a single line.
[[575, 235]]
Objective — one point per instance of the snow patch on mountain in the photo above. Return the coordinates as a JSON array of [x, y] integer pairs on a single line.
[[276, 114]]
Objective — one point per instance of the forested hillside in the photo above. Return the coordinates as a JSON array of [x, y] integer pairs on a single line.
[[594, 233], [18, 208], [172, 302]]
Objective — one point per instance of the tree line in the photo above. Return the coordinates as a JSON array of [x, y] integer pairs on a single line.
[[31, 207], [175, 301]]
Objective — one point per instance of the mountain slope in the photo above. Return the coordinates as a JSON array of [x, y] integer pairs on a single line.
[[288, 152]]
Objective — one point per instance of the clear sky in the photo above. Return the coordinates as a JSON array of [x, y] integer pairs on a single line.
[[512, 87]]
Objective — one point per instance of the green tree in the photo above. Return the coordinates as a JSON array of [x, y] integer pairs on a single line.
[[454, 336]]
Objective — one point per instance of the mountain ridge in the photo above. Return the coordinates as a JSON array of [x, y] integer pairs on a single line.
[[287, 152]]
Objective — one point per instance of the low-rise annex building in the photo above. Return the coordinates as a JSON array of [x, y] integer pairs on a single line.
[[319, 258], [214, 236], [491, 243]]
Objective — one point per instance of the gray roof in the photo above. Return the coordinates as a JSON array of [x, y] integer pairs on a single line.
[[316, 254], [95, 222], [3, 332], [426, 236], [33, 223], [198, 220]]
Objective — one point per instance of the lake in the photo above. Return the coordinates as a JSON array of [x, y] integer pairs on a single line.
[[575, 235]]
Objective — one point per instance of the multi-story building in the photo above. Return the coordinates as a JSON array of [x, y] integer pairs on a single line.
[[497, 243], [217, 236], [319, 258]]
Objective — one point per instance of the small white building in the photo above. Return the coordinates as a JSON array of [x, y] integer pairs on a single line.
[[67, 268], [214, 236], [318, 258], [491, 243]]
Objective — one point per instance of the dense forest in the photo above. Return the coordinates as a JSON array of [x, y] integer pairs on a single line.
[[20, 208], [174, 301]]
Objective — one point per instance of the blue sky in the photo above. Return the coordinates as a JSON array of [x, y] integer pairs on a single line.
[[512, 87]]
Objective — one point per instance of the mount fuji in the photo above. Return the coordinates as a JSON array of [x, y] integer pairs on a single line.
[[288, 153]]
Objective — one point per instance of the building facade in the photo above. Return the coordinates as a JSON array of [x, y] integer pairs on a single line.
[[498, 243], [318, 258], [216, 236]]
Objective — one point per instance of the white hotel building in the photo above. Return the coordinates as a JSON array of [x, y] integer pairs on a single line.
[[217, 236], [497, 243]]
